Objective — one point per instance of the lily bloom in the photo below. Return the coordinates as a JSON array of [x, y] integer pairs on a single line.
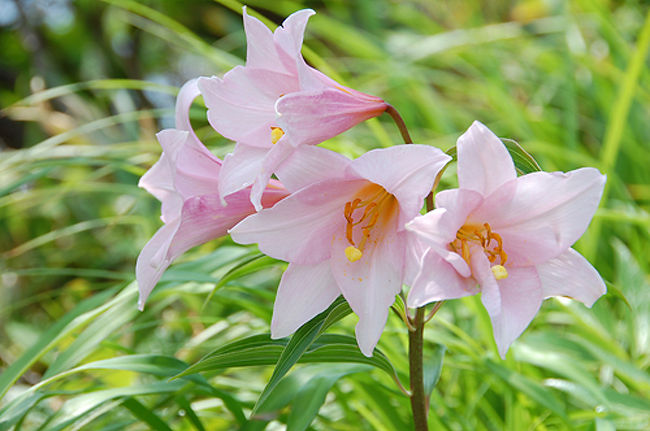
[[342, 232], [186, 180], [275, 103], [507, 237]]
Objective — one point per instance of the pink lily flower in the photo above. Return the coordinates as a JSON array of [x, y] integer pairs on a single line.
[[276, 103], [342, 232], [186, 180], [507, 237]]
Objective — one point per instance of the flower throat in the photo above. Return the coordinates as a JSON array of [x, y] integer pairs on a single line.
[[491, 243], [380, 203]]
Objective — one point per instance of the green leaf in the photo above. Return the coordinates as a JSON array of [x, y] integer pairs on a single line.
[[433, 367], [262, 350], [167, 28], [527, 386], [524, 162], [76, 317], [101, 328], [311, 396], [189, 411], [145, 415], [79, 406], [248, 266], [300, 342], [254, 350], [344, 349]]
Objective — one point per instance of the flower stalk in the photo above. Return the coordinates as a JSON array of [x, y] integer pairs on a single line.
[[419, 403], [390, 110]]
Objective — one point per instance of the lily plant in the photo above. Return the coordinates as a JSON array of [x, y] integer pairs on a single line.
[[364, 229]]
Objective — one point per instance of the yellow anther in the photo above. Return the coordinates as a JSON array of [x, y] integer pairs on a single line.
[[352, 253], [500, 272], [276, 134]]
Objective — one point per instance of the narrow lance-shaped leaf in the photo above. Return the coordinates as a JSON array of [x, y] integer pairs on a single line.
[[301, 341]]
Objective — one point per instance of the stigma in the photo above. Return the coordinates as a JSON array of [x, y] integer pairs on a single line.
[[276, 134]]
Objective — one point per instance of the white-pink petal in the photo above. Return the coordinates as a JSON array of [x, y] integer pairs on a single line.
[[571, 275], [186, 95], [521, 298], [484, 163], [371, 283], [153, 260], [299, 229], [438, 281], [304, 292], [273, 158], [240, 168], [309, 164], [562, 202], [314, 116], [260, 47], [238, 109], [289, 37], [405, 171], [482, 273]]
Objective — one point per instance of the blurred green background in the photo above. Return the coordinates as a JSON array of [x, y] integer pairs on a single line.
[[85, 85]]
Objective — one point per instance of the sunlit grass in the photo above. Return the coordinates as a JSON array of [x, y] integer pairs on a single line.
[[569, 81]]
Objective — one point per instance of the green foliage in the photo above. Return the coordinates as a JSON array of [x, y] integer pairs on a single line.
[[82, 94]]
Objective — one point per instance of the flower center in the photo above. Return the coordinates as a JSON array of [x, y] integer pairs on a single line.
[[490, 242], [373, 206], [276, 134]]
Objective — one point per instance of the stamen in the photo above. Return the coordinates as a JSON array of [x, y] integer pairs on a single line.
[[352, 253], [500, 272], [276, 134], [483, 236], [374, 205]]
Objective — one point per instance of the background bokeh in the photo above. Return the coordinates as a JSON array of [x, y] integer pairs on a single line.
[[84, 87]]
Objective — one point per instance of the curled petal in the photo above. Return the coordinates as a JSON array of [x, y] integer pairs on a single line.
[[202, 219], [260, 47], [153, 261], [437, 280], [439, 227], [240, 168], [490, 295], [273, 158], [185, 168], [289, 37], [188, 92]]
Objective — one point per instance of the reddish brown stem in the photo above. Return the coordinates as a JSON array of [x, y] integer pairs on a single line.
[[400, 124]]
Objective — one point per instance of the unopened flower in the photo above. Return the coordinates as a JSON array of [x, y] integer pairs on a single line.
[[276, 103], [507, 237], [186, 180], [343, 232]]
